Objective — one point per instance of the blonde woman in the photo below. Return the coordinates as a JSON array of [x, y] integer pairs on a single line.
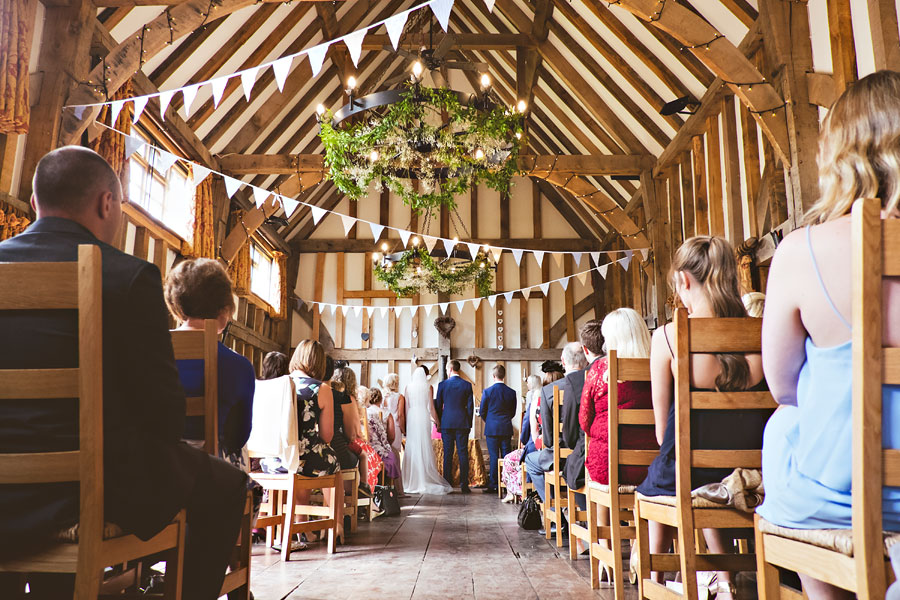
[[512, 473], [806, 325], [395, 404]]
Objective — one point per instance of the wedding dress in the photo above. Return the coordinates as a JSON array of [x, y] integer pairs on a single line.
[[420, 474]]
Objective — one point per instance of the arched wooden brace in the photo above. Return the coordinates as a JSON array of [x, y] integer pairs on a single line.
[[725, 60], [124, 60]]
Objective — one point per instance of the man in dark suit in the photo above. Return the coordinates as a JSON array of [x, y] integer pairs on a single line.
[[149, 474], [498, 407], [537, 463], [455, 406]]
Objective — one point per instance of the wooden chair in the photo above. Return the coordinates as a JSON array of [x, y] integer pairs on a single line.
[[699, 336], [554, 486], [620, 504], [202, 345], [351, 502], [852, 559], [75, 286]]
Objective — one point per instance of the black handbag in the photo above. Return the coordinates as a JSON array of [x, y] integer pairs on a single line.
[[530, 516], [385, 499]]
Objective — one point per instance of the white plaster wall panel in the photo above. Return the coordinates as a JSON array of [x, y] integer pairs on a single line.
[[722, 19], [819, 36], [379, 327], [404, 327], [535, 323], [568, 110], [552, 224], [862, 36], [299, 329], [511, 325], [377, 372], [744, 191], [464, 333], [488, 213], [137, 17]]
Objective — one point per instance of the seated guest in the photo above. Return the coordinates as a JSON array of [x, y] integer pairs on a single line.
[[624, 331], [340, 441], [704, 275], [537, 463], [149, 473], [395, 403], [511, 475], [274, 365], [498, 405], [806, 328], [381, 432], [369, 461], [274, 431]]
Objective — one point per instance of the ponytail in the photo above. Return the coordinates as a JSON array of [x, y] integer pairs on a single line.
[[710, 260]]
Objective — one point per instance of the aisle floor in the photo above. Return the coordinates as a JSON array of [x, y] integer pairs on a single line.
[[454, 546]]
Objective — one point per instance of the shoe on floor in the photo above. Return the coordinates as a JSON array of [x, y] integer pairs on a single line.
[[296, 546], [465, 490], [508, 499]]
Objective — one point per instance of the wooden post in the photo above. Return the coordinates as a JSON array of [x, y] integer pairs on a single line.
[[317, 293], [714, 169], [676, 231], [659, 234], [687, 194], [339, 316], [751, 167], [570, 300], [885, 37], [734, 224], [843, 50], [701, 223]]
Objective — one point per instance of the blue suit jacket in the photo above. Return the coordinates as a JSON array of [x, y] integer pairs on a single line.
[[498, 407], [525, 433], [455, 404]]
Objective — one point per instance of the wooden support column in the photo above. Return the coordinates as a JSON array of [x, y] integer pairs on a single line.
[[570, 300], [64, 60], [677, 232], [885, 36], [141, 243], [714, 169], [654, 192], [843, 50], [687, 194], [545, 305], [734, 223], [317, 293], [751, 167], [339, 299], [701, 206]]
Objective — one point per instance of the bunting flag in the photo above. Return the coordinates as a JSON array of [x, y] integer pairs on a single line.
[[444, 307], [477, 302], [164, 161], [289, 205], [460, 305], [496, 252], [490, 5], [218, 89], [132, 145], [441, 10], [383, 310], [79, 111], [189, 93], [603, 270], [316, 56], [576, 258], [348, 222], [281, 68], [394, 26], [627, 260], [260, 196], [357, 310], [564, 282], [200, 173], [369, 311], [449, 245], [430, 242], [545, 289], [646, 253], [248, 78], [517, 255], [139, 104], [354, 42], [165, 98], [557, 258], [595, 256], [492, 300], [582, 277], [376, 230], [508, 296], [539, 257], [115, 108], [404, 237], [317, 214], [232, 185], [473, 249], [526, 292]]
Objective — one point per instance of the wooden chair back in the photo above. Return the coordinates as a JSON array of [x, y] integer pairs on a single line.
[[67, 286], [625, 369], [191, 344], [875, 255], [558, 453]]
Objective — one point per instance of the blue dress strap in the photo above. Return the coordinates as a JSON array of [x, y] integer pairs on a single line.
[[821, 282]]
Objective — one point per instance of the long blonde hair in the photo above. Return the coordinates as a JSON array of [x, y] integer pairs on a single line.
[[710, 260], [626, 332], [859, 148]]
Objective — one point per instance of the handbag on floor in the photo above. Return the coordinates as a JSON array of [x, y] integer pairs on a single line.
[[385, 499], [530, 512]]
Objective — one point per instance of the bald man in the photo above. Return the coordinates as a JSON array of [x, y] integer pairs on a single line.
[[149, 474]]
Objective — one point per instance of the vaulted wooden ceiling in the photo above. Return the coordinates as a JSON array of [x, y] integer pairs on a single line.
[[594, 75]]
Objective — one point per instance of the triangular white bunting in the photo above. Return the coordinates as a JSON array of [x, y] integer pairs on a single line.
[[508, 296], [564, 282], [321, 306], [430, 242], [317, 214], [603, 270], [139, 104], [316, 56], [281, 68], [557, 258], [441, 10], [164, 161], [404, 236], [189, 93], [449, 245], [383, 310], [164, 99], [576, 258], [289, 204], [260, 196], [444, 306], [248, 78], [218, 89], [582, 277], [526, 292], [595, 256], [369, 311], [645, 252], [492, 300], [357, 310], [115, 108], [545, 288], [490, 5], [394, 26], [627, 260], [345, 309], [517, 254], [539, 257], [354, 44], [476, 302], [231, 185], [460, 305], [79, 111], [473, 249], [376, 230], [348, 222], [200, 173], [132, 145], [497, 252]]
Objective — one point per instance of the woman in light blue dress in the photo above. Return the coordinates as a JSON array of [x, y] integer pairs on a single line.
[[807, 456]]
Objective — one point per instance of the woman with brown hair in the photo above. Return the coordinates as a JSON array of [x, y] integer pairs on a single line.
[[704, 275], [807, 350]]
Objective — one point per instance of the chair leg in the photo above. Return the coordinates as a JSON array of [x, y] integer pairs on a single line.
[[175, 564], [570, 502], [615, 543], [593, 538], [687, 540], [557, 512], [548, 507], [768, 583], [290, 507], [336, 519], [642, 539]]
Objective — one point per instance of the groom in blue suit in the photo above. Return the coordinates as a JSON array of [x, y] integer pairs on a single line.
[[455, 407], [498, 407]]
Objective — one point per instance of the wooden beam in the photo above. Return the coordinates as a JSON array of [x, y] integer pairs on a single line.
[[249, 336], [885, 37], [701, 199], [468, 41], [133, 3], [743, 10], [821, 89], [183, 52], [659, 225], [368, 245], [714, 171], [586, 164], [843, 50], [734, 222]]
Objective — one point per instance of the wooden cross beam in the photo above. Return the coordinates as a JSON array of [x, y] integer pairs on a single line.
[[133, 3], [468, 41], [368, 245], [538, 165]]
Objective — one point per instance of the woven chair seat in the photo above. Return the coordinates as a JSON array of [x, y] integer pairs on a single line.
[[836, 540], [70, 534], [696, 501], [604, 487]]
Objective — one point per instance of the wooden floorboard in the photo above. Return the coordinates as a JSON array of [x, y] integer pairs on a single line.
[[454, 546]]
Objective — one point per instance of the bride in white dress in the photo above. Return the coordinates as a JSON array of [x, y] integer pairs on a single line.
[[420, 474]]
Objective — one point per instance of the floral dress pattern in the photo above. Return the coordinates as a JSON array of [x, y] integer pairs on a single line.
[[316, 457]]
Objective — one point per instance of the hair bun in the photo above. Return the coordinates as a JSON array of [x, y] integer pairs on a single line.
[[549, 366], [341, 364]]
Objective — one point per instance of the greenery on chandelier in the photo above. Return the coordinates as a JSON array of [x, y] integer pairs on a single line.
[[411, 140], [417, 269]]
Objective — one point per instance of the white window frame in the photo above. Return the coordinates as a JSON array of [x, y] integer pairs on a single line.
[[268, 291]]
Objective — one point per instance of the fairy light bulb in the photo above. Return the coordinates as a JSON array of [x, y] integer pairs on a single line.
[[518, 135], [521, 106], [373, 156], [479, 154], [384, 247], [455, 239], [415, 241], [417, 70], [351, 83], [375, 256], [320, 109], [485, 81]]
